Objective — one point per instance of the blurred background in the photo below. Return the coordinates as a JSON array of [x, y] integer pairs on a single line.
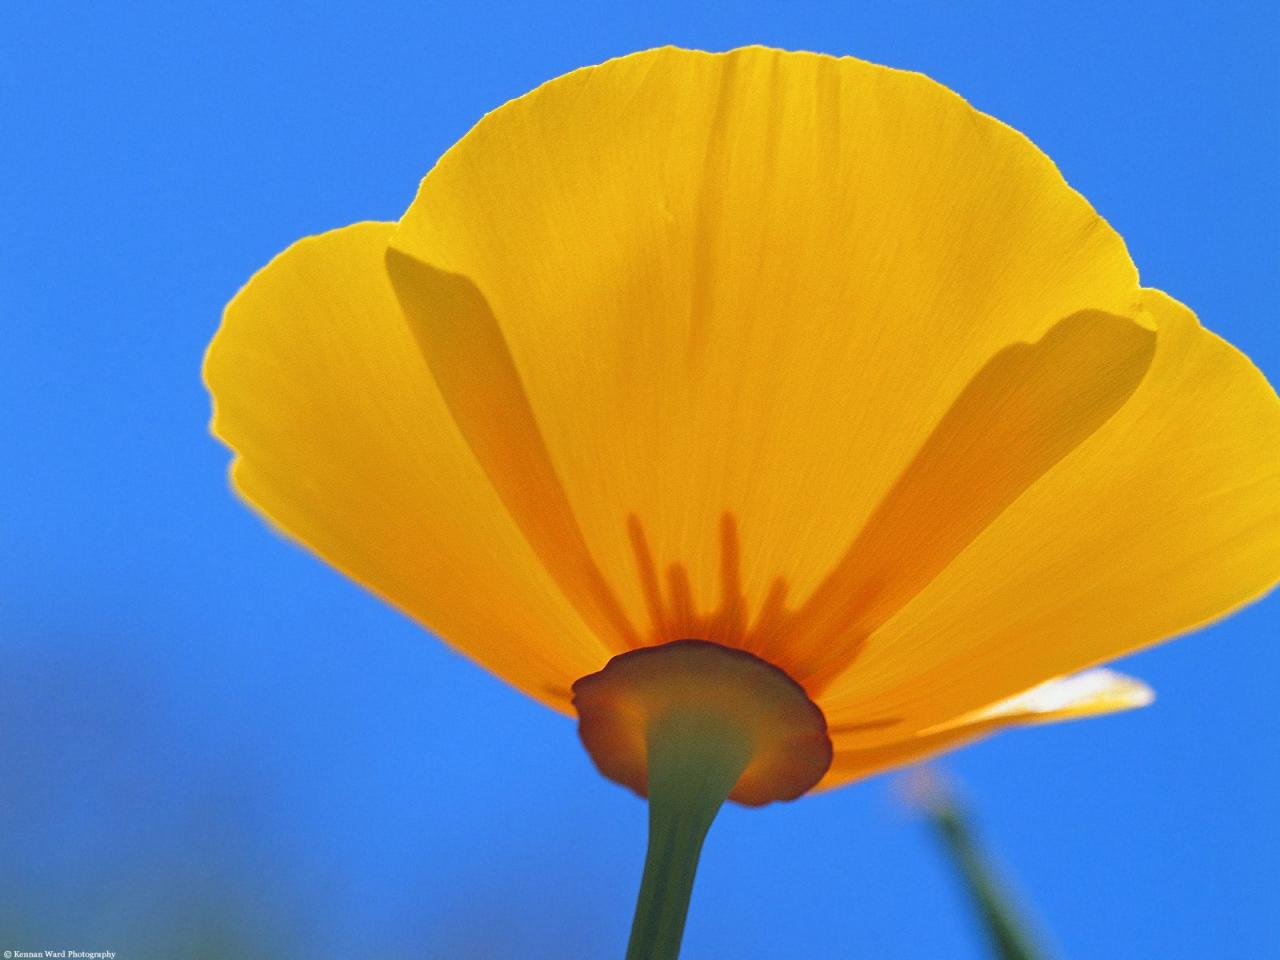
[[211, 745]]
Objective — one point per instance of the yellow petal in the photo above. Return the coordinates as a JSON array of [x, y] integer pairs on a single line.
[[1029, 407], [1086, 694], [1089, 694], [697, 313], [1166, 518], [343, 441]]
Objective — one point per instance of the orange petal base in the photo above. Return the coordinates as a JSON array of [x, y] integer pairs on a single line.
[[624, 707]]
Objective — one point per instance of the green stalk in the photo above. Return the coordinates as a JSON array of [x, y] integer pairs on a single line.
[[1008, 933], [694, 760]]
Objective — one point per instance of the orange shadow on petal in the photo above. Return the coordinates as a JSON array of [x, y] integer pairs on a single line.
[[1022, 413]]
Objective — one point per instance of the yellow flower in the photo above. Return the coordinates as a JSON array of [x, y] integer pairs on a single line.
[[791, 354]]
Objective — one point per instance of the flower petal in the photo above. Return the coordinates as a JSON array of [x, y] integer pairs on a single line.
[[1025, 410], [343, 441], [697, 313], [1166, 518], [1086, 694], [1089, 694]]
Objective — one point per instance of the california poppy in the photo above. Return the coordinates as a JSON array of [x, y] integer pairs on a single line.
[[783, 415]]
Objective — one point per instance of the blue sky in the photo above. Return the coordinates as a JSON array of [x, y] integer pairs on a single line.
[[212, 742]]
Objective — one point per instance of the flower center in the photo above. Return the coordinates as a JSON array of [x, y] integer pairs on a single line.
[[711, 706]]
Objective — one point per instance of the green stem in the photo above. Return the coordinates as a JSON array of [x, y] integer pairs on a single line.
[[694, 760], [1010, 938]]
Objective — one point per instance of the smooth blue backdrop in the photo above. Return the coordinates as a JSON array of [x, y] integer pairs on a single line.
[[212, 745]]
